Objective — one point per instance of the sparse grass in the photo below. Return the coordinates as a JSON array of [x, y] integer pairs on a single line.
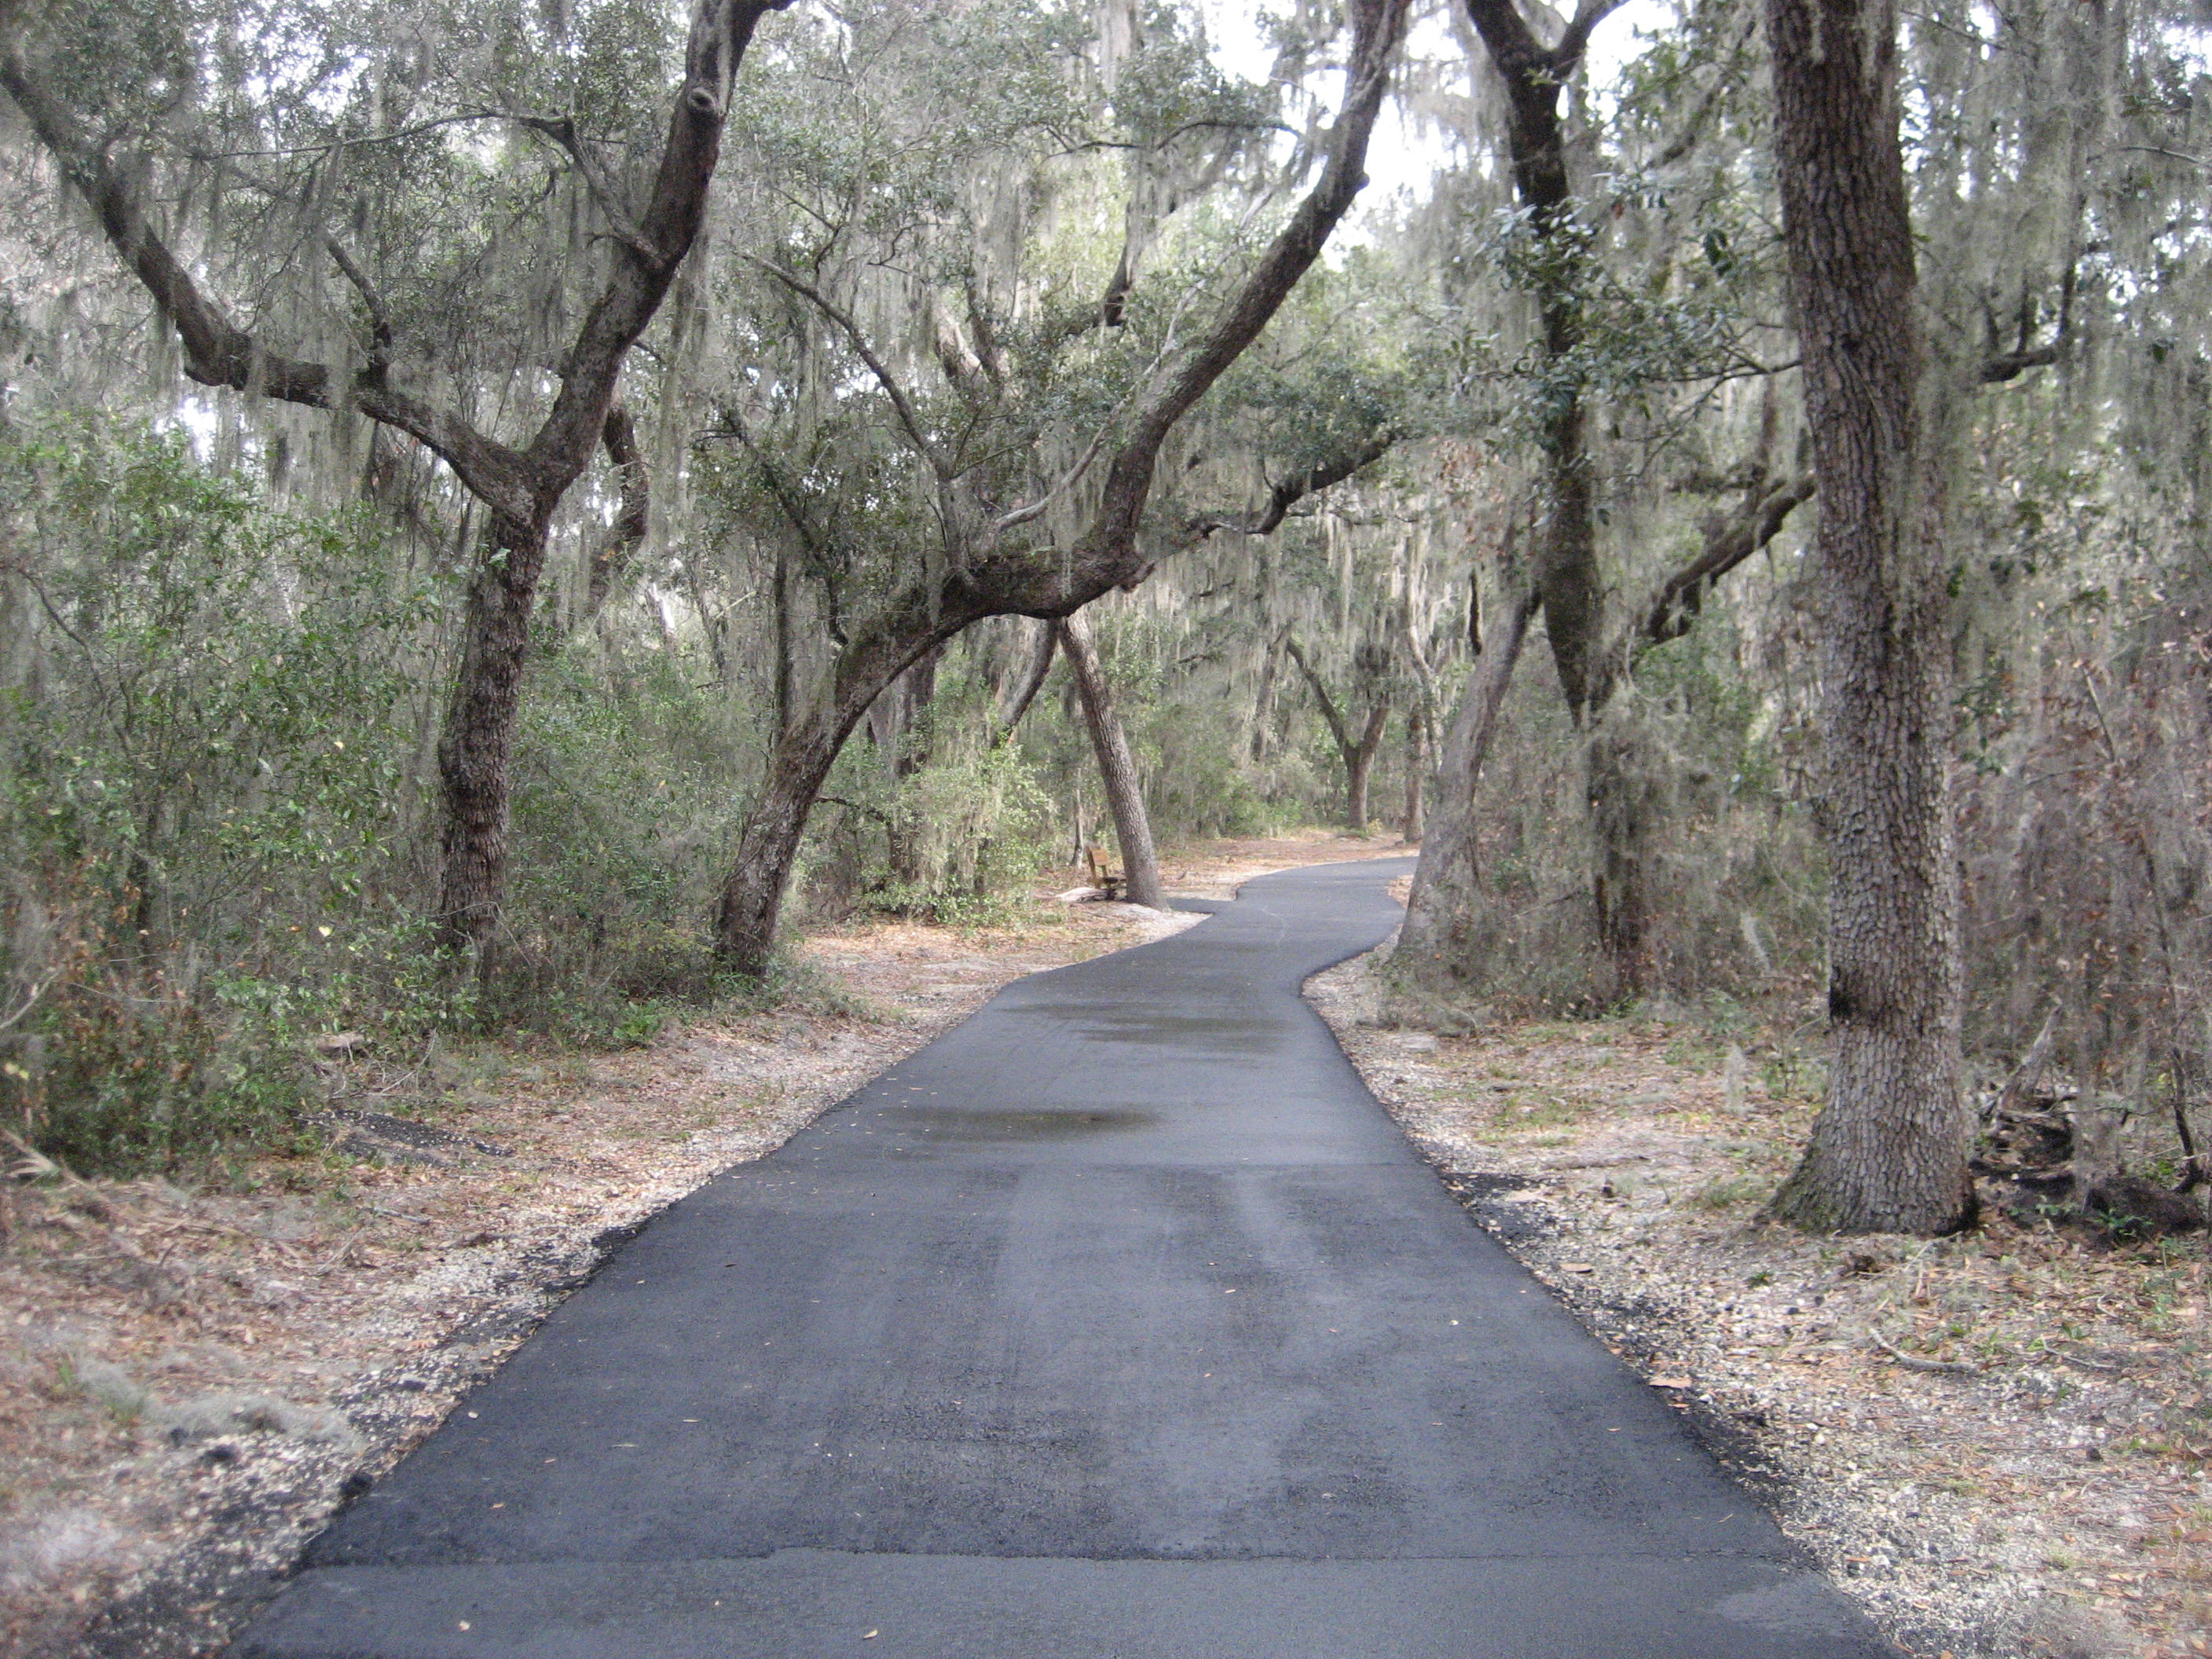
[[2108, 1342], [1730, 1191], [1532, 1109]]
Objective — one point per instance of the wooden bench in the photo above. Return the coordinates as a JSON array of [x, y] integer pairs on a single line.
[[1104, 876]]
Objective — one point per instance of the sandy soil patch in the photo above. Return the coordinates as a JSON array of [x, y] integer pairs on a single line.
[[1997, 1443], [192, 1380]]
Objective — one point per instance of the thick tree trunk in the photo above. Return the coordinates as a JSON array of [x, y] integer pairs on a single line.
[[1888, 1150], [1627, 802], [1565, 563], [480, 721], [1117, 769], [1433, 947]]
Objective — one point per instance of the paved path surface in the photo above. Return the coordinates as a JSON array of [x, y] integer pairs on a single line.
[[1119, 1323]]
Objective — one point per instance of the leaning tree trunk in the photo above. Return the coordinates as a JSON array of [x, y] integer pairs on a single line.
[[767, 846], [1117, 768], [1433, 946], [1888, 1150], [1002, 577]]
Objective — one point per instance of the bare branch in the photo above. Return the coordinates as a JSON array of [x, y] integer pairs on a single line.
[[939, 462], [1029, 511], [380, 319], [562, 129], [2011, 365], [1568, 54], [460, 118], [1674, 609]]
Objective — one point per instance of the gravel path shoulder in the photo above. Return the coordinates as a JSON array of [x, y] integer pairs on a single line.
[[1998, 1443]]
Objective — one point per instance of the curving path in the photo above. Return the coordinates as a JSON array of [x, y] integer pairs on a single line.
[[1120, 1322]]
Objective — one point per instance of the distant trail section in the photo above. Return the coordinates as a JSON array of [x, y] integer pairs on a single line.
[[1119, 1321]]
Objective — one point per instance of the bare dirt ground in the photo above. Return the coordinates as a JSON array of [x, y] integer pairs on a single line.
[[193, 1378], [1998, 1443]]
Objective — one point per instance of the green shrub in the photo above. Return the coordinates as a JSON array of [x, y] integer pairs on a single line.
[[206, 785]]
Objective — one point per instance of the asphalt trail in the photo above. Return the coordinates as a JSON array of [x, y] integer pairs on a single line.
[[1119, 1323]]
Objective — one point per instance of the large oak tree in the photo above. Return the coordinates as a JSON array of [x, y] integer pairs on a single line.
[[1888, 1151], [518, 486]]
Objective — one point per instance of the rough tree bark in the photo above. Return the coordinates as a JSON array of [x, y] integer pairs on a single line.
[[1357, 752], [1442, 911], [1888, 1151], [520, 489], [996, 573], [1564, 568], [1117, 768], [1417, 775]]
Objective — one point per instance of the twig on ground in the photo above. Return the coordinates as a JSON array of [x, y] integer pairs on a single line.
[[1932, 1367], [339, 1255]]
